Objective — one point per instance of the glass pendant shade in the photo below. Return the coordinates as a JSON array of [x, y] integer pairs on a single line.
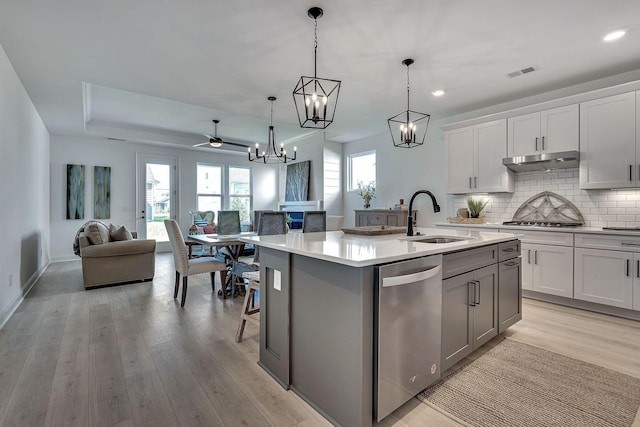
[[409, 128], [316, 98], [272, 154]]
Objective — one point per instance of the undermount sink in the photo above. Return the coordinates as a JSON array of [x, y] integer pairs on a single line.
[[440, 240], [436, 239]]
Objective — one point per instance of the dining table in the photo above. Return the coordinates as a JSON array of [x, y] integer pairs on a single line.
[[231, 242]]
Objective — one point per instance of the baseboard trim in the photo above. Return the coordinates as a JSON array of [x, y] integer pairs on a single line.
[[13, 305], [582, 305]]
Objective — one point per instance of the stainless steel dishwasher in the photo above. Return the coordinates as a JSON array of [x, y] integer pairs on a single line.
[[408, 331]]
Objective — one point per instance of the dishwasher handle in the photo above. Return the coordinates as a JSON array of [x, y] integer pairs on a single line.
[[411, 278]]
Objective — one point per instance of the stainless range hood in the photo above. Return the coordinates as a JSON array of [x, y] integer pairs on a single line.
[[543, 162]]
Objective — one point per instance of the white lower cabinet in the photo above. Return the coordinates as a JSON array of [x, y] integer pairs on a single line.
[[547, 269], [608, 277]]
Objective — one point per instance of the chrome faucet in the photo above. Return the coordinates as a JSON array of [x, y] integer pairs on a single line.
[[436, 208]]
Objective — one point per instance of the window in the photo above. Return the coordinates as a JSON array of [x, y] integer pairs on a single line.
[[240, 192], [362, 168], [209, 188], [211, 182]]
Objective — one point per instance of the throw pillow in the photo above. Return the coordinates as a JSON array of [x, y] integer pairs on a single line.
[[97, 233], [119, 233], [209, 229]]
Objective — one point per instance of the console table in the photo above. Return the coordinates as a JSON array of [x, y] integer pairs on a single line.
[[367, 217]]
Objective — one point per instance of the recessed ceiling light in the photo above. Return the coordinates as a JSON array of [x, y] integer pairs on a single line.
[[614, 35], [438, 92]]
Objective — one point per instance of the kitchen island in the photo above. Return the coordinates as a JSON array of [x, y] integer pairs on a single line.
[[320, 307]]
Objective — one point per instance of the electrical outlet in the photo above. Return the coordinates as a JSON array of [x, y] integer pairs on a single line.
[[10, 280]]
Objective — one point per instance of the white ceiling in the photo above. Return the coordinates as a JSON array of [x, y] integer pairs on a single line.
[[154, 71]]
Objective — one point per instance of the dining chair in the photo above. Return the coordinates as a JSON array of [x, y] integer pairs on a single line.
[[271, 223], [314, 221], [188, 267], [228, 222]]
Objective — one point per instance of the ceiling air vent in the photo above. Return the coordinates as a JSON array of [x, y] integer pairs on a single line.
[[521, 72]]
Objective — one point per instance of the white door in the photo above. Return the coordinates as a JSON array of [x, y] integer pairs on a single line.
[[527, 266], [461, 160], [491, 147], [608, 142], [559, 129], [156, 199], [524, 134], [553, 270], [605, 277]]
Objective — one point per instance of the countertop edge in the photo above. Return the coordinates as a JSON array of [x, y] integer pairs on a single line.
[[413, 249], [576, 230]]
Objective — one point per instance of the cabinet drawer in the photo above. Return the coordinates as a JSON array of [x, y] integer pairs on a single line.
[[616, 243], [377, 219], [464, 261], [508, 250], [543, 237]]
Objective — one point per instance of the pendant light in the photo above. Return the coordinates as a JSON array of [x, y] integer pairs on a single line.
[[271, 155], [409, 128], [316, 98]]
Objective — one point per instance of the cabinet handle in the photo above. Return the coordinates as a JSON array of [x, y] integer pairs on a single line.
[[635, 245], [638, 269], [472, 291], [535, 257], [543, 143], [509, 250], [477, 292], [529, 256], [512, 263], [470, 183], [475, 182], [536, 143], [627, 268], [630, 172]]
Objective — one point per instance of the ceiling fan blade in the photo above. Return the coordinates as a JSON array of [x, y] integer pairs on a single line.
[[200, 145], [237, 144]]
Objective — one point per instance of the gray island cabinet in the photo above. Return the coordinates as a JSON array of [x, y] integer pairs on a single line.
[[320, 303]]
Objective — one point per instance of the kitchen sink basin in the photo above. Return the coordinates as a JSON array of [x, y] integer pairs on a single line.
[[436, 239], [440, 239]]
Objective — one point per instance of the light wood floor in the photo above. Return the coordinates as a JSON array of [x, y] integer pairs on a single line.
[[130, 356]]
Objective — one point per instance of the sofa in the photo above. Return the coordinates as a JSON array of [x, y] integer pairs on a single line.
[[114, 255]]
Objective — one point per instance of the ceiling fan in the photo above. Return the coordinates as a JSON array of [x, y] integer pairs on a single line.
[[217, 142]]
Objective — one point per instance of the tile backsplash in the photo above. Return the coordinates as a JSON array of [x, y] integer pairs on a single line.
[[600, 208]]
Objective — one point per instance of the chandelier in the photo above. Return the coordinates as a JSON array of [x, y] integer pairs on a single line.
[[316, 98], [271, 155], [409, 128]]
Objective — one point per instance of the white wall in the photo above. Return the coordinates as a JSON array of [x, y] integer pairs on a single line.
[[332, 179], [400, 173], [121, 157], [24, 191]]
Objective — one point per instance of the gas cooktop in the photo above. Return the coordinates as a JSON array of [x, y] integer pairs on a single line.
[[549, 224]]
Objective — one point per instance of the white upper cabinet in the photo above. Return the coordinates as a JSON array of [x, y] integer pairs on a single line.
[[475, 156], [608, 142], [548, 131]]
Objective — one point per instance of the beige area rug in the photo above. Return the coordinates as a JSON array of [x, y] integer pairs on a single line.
[[515, 384]]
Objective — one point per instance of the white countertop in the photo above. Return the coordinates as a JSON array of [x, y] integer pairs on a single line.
[[361, 251], [517, 228]]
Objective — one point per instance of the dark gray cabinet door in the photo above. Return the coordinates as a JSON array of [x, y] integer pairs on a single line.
[[485, 308], [469, 313], [457, 338], [509, 293]]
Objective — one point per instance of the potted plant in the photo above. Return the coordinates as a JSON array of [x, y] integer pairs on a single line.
[[475, 206], [367, 192]]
